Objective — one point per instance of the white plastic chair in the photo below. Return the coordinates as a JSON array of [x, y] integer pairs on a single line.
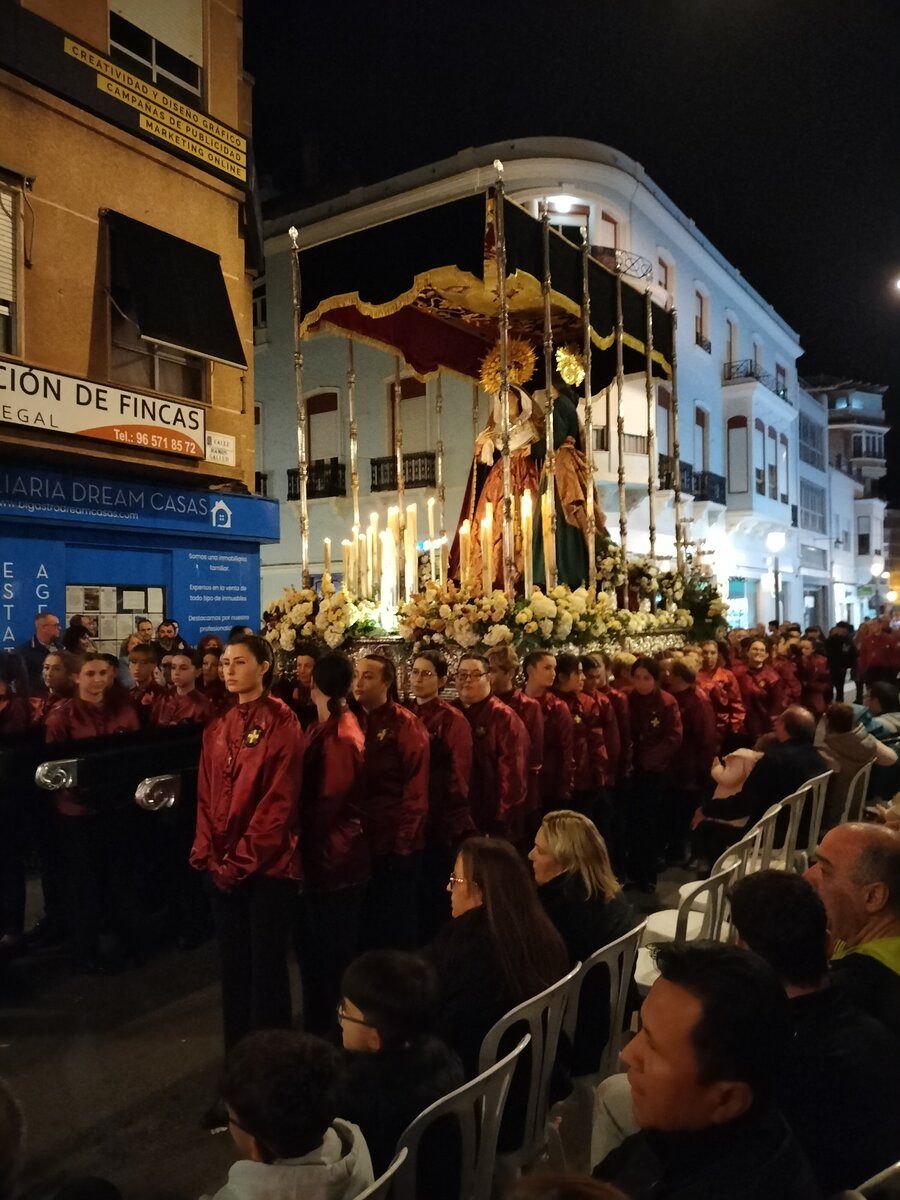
[[618, 957], [544, 1015], [783, 859], [856, 794], [709, 923], [478, 1107], [818, 787], [883, 1185], [380, 1189]]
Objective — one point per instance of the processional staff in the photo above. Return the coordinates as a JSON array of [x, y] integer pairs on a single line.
[[401, 481], [351, 415], [651, 424], [676, 447], [549, 498], [439, 478], [591, 534], [620, 409], [302, 464], [509, 556]]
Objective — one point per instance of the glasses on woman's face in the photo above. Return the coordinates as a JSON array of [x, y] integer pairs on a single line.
[[343, 1015], [453, 881], [470, 676]]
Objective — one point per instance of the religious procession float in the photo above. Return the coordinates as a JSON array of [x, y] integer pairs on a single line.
[[480, 288]]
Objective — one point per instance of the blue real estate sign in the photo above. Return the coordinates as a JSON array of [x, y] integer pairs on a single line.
[[32, 581], [212, 590]]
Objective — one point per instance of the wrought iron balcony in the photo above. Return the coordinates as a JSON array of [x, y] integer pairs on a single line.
[[748, 368], [418, 471], [794, 516], [261, 486], [667, 474], [703, 342], [634, 265], [709, 486], [326, 477]]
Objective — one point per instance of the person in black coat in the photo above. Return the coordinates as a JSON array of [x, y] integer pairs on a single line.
[[582, 897], [837, 1086], [785, 766], [397, 1067]]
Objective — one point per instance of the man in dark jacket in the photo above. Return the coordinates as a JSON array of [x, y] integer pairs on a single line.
[[838, 1083], [841, 653], [701, 1072], [35, 650], [783, 769]]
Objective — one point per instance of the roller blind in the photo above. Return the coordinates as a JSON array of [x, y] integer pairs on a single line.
[[7, 245], [176, 23]]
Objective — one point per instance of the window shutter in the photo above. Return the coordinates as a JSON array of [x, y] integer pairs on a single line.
[[176, 23], [7, 246]]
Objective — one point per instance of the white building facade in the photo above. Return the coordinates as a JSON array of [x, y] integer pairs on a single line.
[[754, 446]]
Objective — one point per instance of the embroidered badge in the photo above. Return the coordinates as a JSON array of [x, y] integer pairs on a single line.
[[252, 736], [576, 720], [654, 722], [382, 734], [480, 731]]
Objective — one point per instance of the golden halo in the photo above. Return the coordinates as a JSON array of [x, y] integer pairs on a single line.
[[520, 363], [570, 365]]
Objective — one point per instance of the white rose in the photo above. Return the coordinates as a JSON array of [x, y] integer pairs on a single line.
[[288, 639]]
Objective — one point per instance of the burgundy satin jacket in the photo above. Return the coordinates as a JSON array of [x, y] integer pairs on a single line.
[[558, 770], [449, 816], [588, 746], [619, 703], [15, 714], [699, 742], [498, 792], [529, 713], [75, 718], [724, 693], [787, 669], [763, 695], [219, 697], [397, 757], [43, 706], [816, 688], [145, 697], [248, 794], [655, 729], [172, 709], [334, 849]]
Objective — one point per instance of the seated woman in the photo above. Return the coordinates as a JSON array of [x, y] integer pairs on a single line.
[[583, 899], [851, 747], [499, 950]]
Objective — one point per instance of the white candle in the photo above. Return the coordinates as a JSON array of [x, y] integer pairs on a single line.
[[345, 557], [527, 525], [376, 550], [431, 545], [371, 561], [328, 556], [362, 559], [411, 548], [354, 559], [388, 581], [549, 543], [487, 549], [464, 554], [445, 560]]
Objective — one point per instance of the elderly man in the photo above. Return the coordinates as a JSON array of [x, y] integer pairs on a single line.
[[34, 651], [857, 874], [782, 770], [702, 1073]]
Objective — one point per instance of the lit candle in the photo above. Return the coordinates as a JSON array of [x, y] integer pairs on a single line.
[[376, 549], [464, 553], [354, 560], [388, 581], [445, 560], [328, 556], [412, 551], [362, 567], [371, 560], [431, 535], [487, 549], [549, 544], [527, 560], [345, 557]]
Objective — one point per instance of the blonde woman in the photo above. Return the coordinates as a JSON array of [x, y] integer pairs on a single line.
[[584, 900]]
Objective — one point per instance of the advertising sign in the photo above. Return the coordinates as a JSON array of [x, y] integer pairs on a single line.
[[103, 412], [28, 494], [214, 590], [31, 581]]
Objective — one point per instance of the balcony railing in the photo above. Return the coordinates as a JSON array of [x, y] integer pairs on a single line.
[[794, 516], [703, 342], [418, 471], [667, 474], [709, 486], [326, 477], [261, 485], [748, 368]]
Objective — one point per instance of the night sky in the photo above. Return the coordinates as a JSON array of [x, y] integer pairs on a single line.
[[774, 124]]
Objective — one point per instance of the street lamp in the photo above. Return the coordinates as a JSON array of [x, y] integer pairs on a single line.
[[878, 572], [775, 544]]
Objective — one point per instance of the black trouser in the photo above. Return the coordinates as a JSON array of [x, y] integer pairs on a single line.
[[710, 840], [646, 825], [252, 923], [326, 939], [12, 864], [434, 901], [45, 835], [391, 918], [617, 843], [187, 903], [680, 808], [100, 856]]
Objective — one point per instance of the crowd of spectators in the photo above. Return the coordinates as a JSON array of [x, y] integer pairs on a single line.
[[436, 861]]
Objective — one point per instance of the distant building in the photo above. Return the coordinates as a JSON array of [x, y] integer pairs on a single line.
[[753, 444]]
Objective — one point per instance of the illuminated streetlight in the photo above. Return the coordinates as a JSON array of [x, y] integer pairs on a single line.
[[775, 544], [891, 597]]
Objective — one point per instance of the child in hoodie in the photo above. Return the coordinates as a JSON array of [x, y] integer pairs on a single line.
[[281, 1089]]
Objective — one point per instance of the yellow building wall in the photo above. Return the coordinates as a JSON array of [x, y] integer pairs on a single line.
[[81, 165]]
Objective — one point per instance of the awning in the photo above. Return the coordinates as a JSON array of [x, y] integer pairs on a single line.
[[173, 290], [425, 286]]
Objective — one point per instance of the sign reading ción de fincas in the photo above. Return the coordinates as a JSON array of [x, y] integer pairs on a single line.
[[103, 412]]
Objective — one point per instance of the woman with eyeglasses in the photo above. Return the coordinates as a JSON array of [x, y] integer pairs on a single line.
[[334, 850], [499, 950], [450, 769]]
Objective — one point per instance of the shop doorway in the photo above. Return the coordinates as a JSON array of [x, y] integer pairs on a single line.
[[114, 610]]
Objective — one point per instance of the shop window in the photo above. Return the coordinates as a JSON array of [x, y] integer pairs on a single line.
[[8, 271], [115, 610], [160, 42]]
